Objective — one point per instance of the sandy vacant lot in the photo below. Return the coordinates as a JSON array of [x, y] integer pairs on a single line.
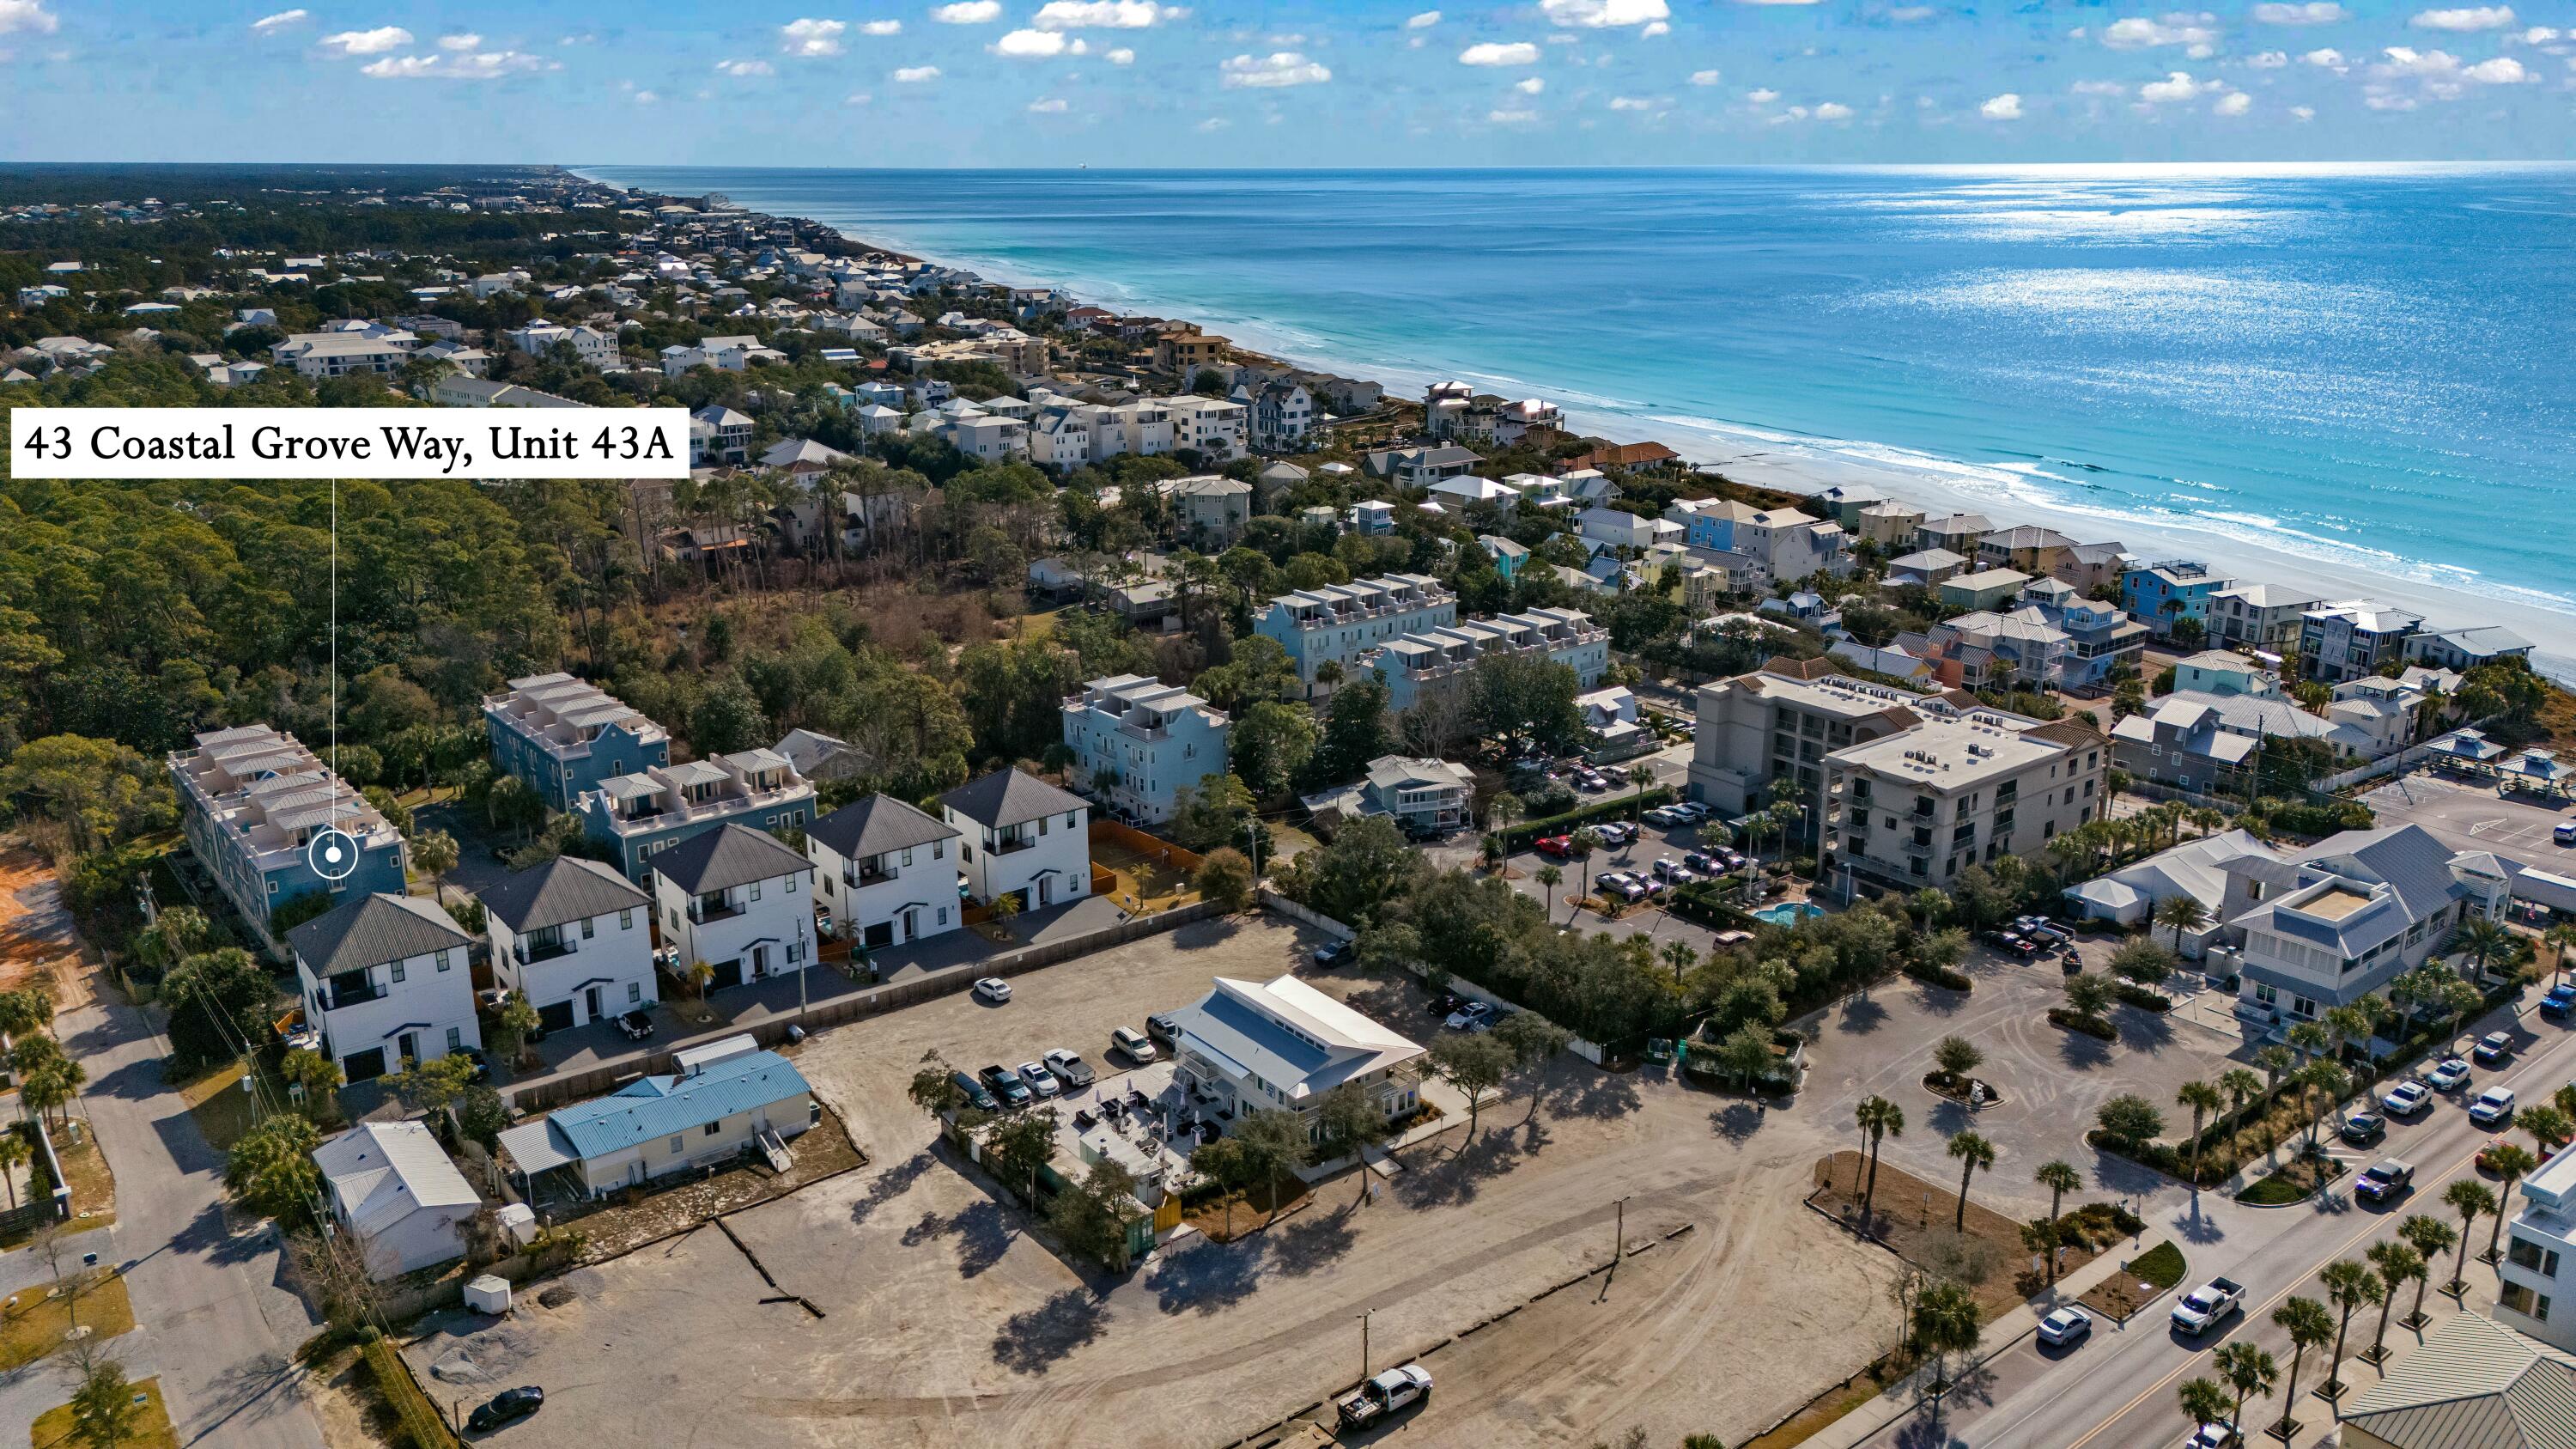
[[945, 1324]]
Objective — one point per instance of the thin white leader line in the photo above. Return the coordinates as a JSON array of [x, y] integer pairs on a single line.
[[339, 804]]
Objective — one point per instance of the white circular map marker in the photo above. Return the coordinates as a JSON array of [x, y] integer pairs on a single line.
[[332, 854]]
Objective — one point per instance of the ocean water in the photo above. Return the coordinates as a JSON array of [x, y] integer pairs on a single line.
[[2374, 367]]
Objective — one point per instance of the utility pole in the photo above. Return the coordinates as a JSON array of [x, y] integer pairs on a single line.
[[1363, 1317], [1618, 1245]]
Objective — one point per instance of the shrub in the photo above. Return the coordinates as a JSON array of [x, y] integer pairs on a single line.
[[2132, 994], [2161, 1265], [2092, 1026], [2131, 1118], [416, 1420], [1520, 836], [1941, 976]]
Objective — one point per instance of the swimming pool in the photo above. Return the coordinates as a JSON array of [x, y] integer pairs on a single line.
[[1788, 913]]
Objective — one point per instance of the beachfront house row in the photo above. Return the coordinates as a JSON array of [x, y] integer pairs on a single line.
[[1138, 742], [638, 816], [251, 802], [1023, 838], [737, 900], [2465, 649], [2258, 616], [1337, 623], [575, 938], [563, 736], [2350, 914], [2346, 640], [384, 980], [1914, 809], [1960, 533], [1281, 1045], [728, 1098], [1430, 659], [886, 871], [393, 1190]]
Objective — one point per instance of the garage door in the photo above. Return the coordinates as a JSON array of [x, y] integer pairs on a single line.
[[728, 973], [363, 1066], [555, 1017], [880, 934]]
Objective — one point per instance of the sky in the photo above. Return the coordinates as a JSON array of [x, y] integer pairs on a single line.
[[1293, 83]]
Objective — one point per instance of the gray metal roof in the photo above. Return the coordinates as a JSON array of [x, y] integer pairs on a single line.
[[876, 825], [2407, 857], [372, 930], [2475, 1384], [562, 890], [725, 857], [1007, 797]]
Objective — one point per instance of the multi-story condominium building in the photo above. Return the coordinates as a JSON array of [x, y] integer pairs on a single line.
[[384, 979], [1780, 721], [1059, 439], [1915, 808], [641, 815], [251, 801], [1418, 663], [2258, 616], [1137, 743], [2538, 1273], [2162, 594], [2467, 648], [1023, 837], [2350, 914], [1281, 1045], [320, 355], [574, 937], [739, 901], [1337, 623], [563, 736], [887, 871], [1281, 415], [1214, 426], [2347, 640], [539, 338]]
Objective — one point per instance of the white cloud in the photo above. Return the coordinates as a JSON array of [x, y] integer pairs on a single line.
[[1051, 106], [279, 21], [2269, 60], [2438, 75], [2234, 103], [1909, 13], [646, 98], [31, 17], [1103, 14], [1030, 44], [1530, 86], [2326, 57], [2005, 107], [1121, 56], [1779, 2], [1705, 77], [1215, 123], [1500, 52], [2137, 32], [881, 27], [2475, 17], [811, 38], [857, 98], [2541, 35], [2315, 12], [467, 40], [913, 75], [2099, 88], [1511, 118], [968, 12], [1631, 103], [1833, 111], [1763, 96], [347, 42], [1423, 21], [1653, 29], [2176, 86], [745, 69], [2504, 70], [460, 65], [1604, 14], [1267, 72], [2304, 113]]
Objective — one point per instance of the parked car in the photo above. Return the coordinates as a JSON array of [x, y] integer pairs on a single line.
[[1371, 1402], [1618, 883], [1704, 863], [1009, 1088], [1591, 780], [2383, 1180], [637, 1025], [2449, 1074], [2208, 1305], [1040, 1081], [2560, 1001], [974, 1092], [2407, 1098], [2019, 946], [1560, 846], [1333, 952], [1615, 833], [1691, 810], [1165, 1031], [1134, 1045], [2494, 1049], [2217, 1434], [2065, 1326], [1673, 872], [1470, 1016], [506, 1407], [1071, 1070], [993, 989], [1664, 815], [2362, 1126], [2565, 834], [2493, 1108]]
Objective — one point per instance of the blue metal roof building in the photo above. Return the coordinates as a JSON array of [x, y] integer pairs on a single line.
[[659, 1125]]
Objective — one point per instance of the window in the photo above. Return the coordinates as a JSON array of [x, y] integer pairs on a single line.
[[443, 961], [626, 919], [679, 1144], [2534, 1306], [943, 915], [714, 1127], [795, 951], [1042, 825], [398, 973], [455, 1038], [634, 991], [939, 850], [2525, 1253], [755, 890], [589, 927]]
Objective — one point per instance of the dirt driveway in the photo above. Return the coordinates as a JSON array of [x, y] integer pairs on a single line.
[[945, 1324]]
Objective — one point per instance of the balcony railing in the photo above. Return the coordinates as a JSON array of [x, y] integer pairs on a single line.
[[866, 875], [1009, 846], [702, 914], [531, 953]]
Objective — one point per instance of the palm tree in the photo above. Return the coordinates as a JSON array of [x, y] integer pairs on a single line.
[[2248, 1371], [1975, 1153], [2508, 1161], [2202, 1099], [2483, 939], [14, 1152], [2351, 1287], [2345, 1026], [2327, 1083], [2561, 940], [1928, 906], [2241, 1087], [2309, 1325], [2468, 1197], [2430, 1237], [2395, 1263], [2274, 1061], [2183, 914], [2205, 1400], [1549, 878], [2310, 1040], [1581, 847], [2548, 1124], [1641, 780], [1679, 956], [1878, 1119], [2060, 1178]]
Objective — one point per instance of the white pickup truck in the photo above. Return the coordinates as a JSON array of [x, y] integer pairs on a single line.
[[2208, 1305], [1383, 1395]]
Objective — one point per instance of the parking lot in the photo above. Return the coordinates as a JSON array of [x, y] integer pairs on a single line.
[[2468, 814], [943, 1322]]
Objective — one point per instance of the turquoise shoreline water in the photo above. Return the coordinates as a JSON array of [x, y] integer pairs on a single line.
[[2365, 367]]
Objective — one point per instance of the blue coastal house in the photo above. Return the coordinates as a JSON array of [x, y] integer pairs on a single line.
[[1419, 662], [2162, 593], [1137, 742], [251, 800], [564, 737], [1337, 623], [2099, 636], [639, 816]]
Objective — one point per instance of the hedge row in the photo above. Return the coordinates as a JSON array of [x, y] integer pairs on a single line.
[[1704, 905], [1941, 976], [1520, 836], [2092, 1026], [419, 1419]]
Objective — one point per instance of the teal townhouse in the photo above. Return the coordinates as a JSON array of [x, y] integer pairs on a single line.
[[641, 815], [251, 801], [564, 736], [1337, 623], [1138, 742], [1434, 658], [2161, 594]]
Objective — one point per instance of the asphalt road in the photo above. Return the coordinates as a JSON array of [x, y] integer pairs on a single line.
[[2118, 1391]]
